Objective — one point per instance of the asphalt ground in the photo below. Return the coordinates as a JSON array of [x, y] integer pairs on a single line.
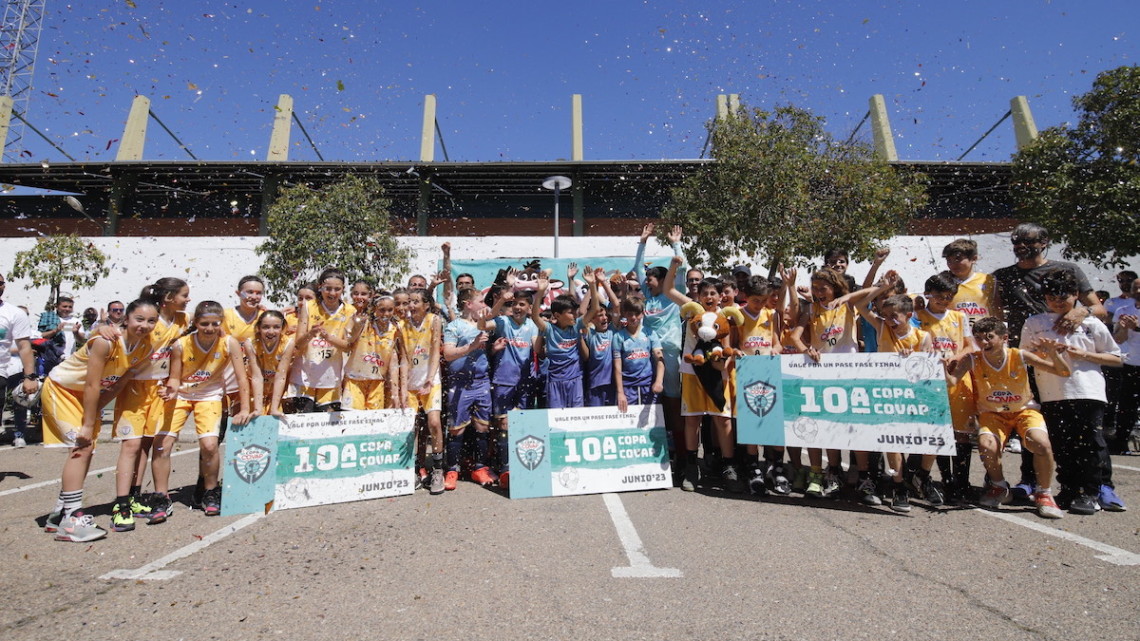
[[474, 564]]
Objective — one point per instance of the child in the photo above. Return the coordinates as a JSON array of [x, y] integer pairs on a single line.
[[240, 321], [197, 387], [73, 396], [975, 297], [139, 410], [895, 335], [597, 347], [560, 342], [305, 293], [949, 333], [373, 366], [469, 397], [696, 401], [269, 350], [422, 334], [1127, 335], [316, 381], [361, 295], [638, 371], [1074, 406], [1006, 405], [512, 365]]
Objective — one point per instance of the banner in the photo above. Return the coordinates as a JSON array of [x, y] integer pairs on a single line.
[[319, 458], [867, 402], [588, 450]]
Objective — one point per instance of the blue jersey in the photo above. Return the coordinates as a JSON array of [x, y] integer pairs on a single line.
[[563, 361], [600, 365], [472, 367], [516, 362], [636, 355], [662, 316]]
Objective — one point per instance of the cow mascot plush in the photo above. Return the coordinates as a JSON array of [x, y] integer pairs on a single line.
[[708, 332]]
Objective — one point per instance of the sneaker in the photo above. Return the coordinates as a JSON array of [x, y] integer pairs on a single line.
[[780, 483], [1047, 507], [52, 522], [424, 478], [930, 491], [757, 485], [900, 499], [212, 501], [814, 487], [122, 520], [505, 481], [1082, 504], [1022, 492], [483, 476], [1064, 498], [868, 494], [450, 480], [1109, 501], [1013, 446], [801, 481], [436, 484], [692, 475], [79, 528], [996, 495], [831, 483], [161, 507], [140, 509], [19, 442], [731, 479]]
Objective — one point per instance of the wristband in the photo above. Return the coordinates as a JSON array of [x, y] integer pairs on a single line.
[[31, 377]]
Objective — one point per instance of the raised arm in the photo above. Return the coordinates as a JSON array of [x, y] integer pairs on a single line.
[[668, 287], [536, 308]]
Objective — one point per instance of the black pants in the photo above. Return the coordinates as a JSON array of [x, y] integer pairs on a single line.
[[1128, 407], [19, 412], [1077, 434]]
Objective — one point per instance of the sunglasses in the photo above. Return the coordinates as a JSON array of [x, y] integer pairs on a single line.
[[1025, 241], [116, 309]]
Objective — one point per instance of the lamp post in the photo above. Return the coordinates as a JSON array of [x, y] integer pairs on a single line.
[[557, 183]]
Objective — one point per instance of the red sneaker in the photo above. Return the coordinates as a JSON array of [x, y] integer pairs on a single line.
[[483, 476], [505, 480], [451, 480], [1047, 507]]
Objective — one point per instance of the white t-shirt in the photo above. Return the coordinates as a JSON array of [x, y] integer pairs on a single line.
[[14, 325], [1130, 347], [1087, 381]]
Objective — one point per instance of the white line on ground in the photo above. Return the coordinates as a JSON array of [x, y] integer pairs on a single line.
[[1125, 467], [102, 470], [153, 571], [639, 565], [1112, 554]]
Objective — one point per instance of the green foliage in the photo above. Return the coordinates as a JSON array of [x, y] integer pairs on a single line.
[[1083, 182], [58, 259], [343, 225], [784, 189]]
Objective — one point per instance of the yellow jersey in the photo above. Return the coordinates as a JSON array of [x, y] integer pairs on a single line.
[[72, 373], [758, 334], [418, 341], [162, 339], [891, 343], [373, 353], [975, 297], [833, 330], [947, 333], [1005, 388], [268, 360], [321, 364], [237, 326], [203, 369]]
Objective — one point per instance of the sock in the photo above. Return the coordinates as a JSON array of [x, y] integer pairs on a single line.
[[454, 449], [481, 448], [436, 460], [864, 475], [690, 457], [123, 500], [69, 502], [136, 490], [1043, 490], [504, 453]]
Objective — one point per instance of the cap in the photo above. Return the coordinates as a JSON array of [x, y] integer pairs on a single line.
[[741, 269]]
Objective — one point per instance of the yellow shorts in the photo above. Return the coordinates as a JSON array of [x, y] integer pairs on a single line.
[[207, 417], [1002, 424], [962, 404], [696, 402], [138, 410], [319, 395], [429, 402], [362, 394], [63, 415]]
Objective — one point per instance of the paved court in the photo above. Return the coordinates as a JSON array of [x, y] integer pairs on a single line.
[[655, 565]]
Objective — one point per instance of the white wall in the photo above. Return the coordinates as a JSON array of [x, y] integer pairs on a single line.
[[213, 266]]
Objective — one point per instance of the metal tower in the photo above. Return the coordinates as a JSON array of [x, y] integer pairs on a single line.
[[19, 42]]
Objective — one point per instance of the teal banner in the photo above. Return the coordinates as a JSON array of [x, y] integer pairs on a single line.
[[249, 475]]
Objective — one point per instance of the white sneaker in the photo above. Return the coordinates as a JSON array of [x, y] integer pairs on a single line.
[[79, 528], [1013, 446], [19, 442]]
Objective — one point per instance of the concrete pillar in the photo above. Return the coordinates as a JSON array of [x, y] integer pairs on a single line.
[[1024, 128], [134, 133], [734, 103], [427, 137], [282, 125], [5, 119], [881, 126], [576, 127], [721, 106]]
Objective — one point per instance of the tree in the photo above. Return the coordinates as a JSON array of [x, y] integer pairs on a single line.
[[344, 225], [55, 260], [782, 187], [1083, 182]]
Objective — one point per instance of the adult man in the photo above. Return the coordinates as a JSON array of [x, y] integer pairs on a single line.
[[113, 317], [15, 329], [62, 327]]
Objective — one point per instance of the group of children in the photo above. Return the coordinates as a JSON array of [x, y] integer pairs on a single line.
[[619, 341]]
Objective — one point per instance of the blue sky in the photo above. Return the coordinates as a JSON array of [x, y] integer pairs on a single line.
[[503, 72]]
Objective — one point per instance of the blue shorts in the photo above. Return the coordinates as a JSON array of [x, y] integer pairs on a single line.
[[640, 395], [469, 403], [560, 394], [672, 384], [505, 398], [601, 396]]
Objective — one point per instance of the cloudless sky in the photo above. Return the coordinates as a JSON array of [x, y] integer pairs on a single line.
[[504, 72]]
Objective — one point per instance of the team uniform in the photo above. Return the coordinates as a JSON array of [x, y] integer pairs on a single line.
[[633, 354], [268, 361], [202, 388], [563, 365], [418, 347], [975, 297], [832, 331], [139, 410], [62, 395], [695, 400], [891, 343], [512, 368], [598, 368], [1005, 402], [366, 372], [234, 324], [948, 332], [469, 395], [319, 374]]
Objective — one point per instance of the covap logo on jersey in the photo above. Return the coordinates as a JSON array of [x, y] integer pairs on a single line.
[[761, 397], [530, 451], [251, 462]]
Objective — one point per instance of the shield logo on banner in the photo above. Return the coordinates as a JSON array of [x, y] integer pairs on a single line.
[[251, 462], [761, 397], [530, 451]]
